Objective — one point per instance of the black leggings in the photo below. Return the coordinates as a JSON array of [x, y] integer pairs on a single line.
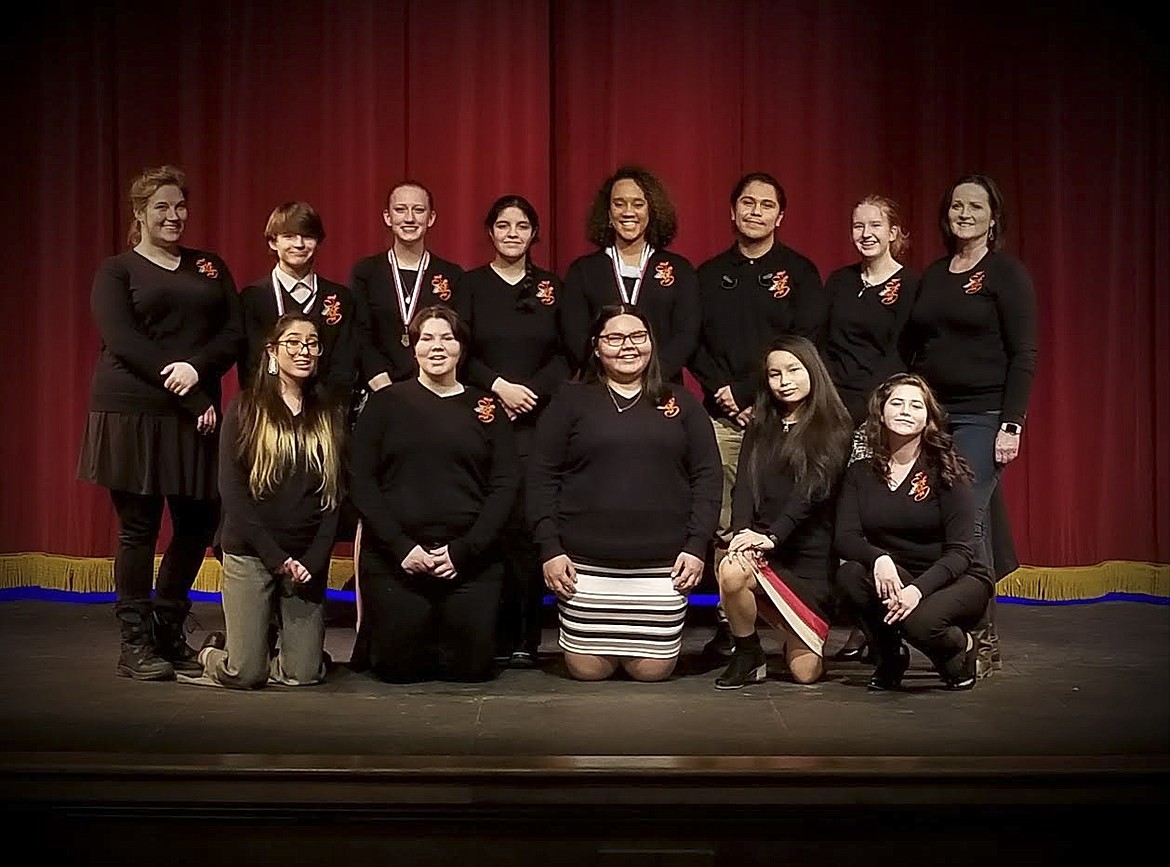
[[139, 521], [939, 624], [422, 627]]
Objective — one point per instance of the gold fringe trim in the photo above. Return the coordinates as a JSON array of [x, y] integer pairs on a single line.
[[1041, 583]]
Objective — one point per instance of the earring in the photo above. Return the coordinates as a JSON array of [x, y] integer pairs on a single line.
[[271, 366]]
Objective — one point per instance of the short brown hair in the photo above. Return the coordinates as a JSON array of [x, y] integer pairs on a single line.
[[294, 218], [448, 315], [149, 182]]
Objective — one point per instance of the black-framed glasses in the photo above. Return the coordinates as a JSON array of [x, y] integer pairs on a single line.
[[294, 346], [617, 341], [764, 281]]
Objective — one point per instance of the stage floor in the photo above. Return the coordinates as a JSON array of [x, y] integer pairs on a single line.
[[1080, 715]]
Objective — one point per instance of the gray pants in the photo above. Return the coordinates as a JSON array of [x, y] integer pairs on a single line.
[[248, 592]]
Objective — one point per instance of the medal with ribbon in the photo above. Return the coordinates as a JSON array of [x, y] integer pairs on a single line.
[[407, 305], [615, 260]]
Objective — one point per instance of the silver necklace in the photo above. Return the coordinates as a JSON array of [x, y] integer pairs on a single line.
[[618, 406]]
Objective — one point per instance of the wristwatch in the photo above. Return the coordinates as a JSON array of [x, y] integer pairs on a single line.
[[1012, 428]]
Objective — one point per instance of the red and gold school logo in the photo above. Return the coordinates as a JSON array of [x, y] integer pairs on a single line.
[[919, 487], [331, 310], [780, 285], [545, 292], [975, 284], [890, 294], [670, 409], [664, 273], [207, 268], [441, 287], [485, 410]]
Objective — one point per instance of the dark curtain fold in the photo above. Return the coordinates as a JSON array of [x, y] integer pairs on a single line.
[[262, 102]]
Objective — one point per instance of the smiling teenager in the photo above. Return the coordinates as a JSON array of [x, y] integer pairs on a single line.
[[169, 320]]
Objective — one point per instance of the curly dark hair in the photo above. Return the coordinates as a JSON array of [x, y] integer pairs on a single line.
[[663, 222], [938, 446]]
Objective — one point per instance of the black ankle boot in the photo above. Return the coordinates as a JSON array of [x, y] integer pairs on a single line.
[[748, 664], [138, 658], [961, 671], [168, 620], [722, 643], [890, 670]]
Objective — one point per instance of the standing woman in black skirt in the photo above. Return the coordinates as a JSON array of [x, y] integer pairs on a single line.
[[632, 222], [513, 310], [169, 319]]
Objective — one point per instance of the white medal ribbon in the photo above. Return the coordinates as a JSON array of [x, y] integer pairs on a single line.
[[406, 306], [615, 260], [278, 291]]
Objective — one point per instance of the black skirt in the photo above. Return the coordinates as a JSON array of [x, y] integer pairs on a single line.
[[159, 455]]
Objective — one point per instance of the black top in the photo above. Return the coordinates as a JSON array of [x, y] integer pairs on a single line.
[[669, 297], [865, 329], [517, 332], [374, 291], [747, 304], [973, 336], [636, 487], [334, 313], [803, 528], [148, 317], [432, 471], [926, 529], [289, 522]]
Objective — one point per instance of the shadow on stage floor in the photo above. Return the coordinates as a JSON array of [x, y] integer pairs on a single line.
[[1046, 758]]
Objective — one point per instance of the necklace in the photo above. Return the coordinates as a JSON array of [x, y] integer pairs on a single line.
[[614, 397]]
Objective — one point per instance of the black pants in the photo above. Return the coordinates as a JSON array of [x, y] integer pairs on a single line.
[[521, 611], [938, 626], [139, 521], [426, 628]]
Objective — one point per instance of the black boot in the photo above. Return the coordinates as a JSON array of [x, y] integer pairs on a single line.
[[722, 643], [748, 664], [891, 668], [961, 671], [138, 659], [170, 642]]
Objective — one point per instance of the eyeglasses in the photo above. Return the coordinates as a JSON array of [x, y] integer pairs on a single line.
[[294, 346], [617, 341]]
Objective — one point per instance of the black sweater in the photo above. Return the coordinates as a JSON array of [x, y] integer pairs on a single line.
[[516, 333], [973, 336], [865, 329], [289, 522], [925, 528], [803, 528], [333, 311], [746, 304], [432, 471], [149, 317], [669, 297], [372, 285], [637, 487]]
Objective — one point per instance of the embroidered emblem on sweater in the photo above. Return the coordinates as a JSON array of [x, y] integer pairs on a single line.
[[441, 287], [919, 487], [545, 292], [331, 310], [664, 273], [890, 294], [974, 284], [671, 408], [207, 268], [780, 286], [485, 410]]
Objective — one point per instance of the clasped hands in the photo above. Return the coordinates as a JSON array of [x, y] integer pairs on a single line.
[[433, 561], [727, 403], [179, 377], [900, 599]]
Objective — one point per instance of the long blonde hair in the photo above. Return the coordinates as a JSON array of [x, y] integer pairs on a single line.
[[273, 442]]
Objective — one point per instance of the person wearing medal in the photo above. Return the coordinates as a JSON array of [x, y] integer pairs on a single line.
[[623, 496], [632, 222], [294, 234], [749, 295], [517, 352], [391, 286]]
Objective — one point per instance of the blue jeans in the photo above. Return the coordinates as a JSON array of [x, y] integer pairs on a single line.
[[974, 435]]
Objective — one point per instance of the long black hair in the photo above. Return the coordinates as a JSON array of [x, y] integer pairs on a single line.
[[526, 296], [653, 387]]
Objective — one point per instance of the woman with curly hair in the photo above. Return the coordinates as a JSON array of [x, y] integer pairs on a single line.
[[906, 527], [632, 222], [779, 562]]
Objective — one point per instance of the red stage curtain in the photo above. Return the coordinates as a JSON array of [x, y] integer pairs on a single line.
[[267, 101]]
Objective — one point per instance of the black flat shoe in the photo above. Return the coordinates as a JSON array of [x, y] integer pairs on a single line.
[[855, 654], [888, 675]]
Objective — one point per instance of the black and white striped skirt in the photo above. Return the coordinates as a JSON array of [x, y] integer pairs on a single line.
[[621, 611]]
